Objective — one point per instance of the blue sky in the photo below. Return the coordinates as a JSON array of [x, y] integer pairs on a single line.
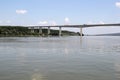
[[59, 12]]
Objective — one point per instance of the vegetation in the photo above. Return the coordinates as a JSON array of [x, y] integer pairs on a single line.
[[24, 31]]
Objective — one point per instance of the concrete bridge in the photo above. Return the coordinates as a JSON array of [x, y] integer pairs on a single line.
[[70, 26]]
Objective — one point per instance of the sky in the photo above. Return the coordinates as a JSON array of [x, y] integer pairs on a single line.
[[62, 12]]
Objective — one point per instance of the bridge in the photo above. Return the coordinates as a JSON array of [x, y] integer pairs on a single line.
[[70, 26]]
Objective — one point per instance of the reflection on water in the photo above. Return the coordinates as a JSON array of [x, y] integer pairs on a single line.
[[38, 76], [64, 58]]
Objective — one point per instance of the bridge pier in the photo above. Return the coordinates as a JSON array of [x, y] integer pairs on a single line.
[[48, 30], [60, 31], [40, 30], [32, 30], [81, 32]]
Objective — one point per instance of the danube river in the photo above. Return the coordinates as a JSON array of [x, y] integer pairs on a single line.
[[60, 58]]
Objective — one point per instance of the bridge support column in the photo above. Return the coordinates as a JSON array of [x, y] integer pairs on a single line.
[[40, 30], [32, 30], [81, 32], [48, 30], [60, 31]]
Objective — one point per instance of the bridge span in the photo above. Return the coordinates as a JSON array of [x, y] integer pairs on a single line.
[[70, 26]]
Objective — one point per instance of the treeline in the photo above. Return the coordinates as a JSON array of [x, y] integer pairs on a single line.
[[24, 31], [14, 31]]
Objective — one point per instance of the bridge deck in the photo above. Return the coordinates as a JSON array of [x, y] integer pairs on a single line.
[[80, 26]]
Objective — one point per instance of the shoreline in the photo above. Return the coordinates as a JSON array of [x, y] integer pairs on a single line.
[[19, 31]]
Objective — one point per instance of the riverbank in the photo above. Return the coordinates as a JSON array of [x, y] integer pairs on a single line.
[[8, 31]]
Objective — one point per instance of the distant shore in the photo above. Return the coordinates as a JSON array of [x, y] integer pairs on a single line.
[[19, 31]]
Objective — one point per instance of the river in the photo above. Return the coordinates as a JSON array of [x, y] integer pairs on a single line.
[[60, 58]]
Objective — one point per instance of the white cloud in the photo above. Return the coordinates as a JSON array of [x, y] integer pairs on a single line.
[[8, 21], [101, 22], [67, 20], [21, 11], [0, 21], [53, 23], [43, 22], [90, 22], [117, 4]]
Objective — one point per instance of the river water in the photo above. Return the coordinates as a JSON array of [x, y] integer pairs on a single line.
[[60, 58]]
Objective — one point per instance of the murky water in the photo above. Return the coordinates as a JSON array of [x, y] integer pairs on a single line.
[[64, 58]]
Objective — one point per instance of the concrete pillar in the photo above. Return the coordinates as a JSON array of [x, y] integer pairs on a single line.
[[32, 29], [40, 30], [60, 31], [81, 32], [48, 30]]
